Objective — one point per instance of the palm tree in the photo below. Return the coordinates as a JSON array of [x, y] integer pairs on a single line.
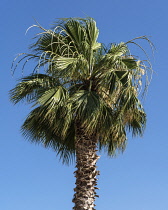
[[85, 99]]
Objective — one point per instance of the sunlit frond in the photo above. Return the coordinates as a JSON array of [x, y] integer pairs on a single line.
[[31, 87]]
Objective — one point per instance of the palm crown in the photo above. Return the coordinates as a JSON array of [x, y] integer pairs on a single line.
[[83, 83]]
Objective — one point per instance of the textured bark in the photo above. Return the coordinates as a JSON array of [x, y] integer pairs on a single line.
[[86, 181]]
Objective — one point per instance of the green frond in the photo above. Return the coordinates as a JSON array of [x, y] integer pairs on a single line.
[[85, 104], [31, 87], [118, 50], [53, 96], [41, 130]]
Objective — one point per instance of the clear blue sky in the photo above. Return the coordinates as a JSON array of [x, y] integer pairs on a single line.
[[31, 177]]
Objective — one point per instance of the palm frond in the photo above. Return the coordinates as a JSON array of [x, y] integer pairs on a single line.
[[31, 87], [42, 132]]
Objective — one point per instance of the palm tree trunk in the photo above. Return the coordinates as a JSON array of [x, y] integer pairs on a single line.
[[86, 158]]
